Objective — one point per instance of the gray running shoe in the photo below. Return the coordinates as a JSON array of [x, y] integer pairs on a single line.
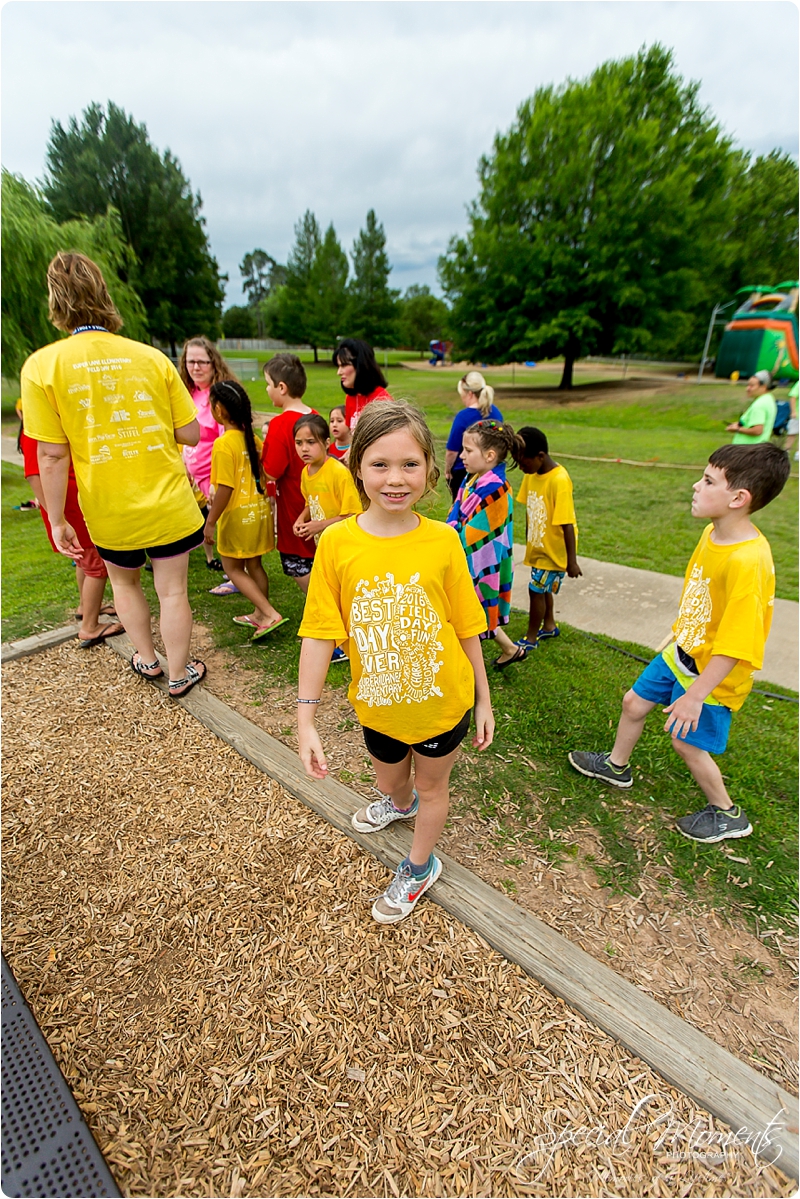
[[715, 824], [400, 897], [598, 766], [380, 814]]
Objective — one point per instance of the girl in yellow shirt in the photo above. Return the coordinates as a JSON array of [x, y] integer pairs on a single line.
[[395, 587], [240, 507]]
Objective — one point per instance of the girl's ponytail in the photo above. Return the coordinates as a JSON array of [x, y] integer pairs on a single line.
[[474, 381], [236, 402]]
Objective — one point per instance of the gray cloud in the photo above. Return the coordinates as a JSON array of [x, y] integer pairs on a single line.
[[276, 107]]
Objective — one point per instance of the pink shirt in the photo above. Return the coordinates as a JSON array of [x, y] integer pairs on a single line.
[[198, 457]]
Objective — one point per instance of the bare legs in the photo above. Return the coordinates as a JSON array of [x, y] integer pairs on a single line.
[[507, 646], [540, 614], [432, 783], [169, 577], [91, 593], [250, 577], [702, 766]]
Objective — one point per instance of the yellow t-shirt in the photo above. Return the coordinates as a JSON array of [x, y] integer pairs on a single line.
[[330, 492], [726, 608], [403, 604], [548, 503], [116, 403], [244, 530]]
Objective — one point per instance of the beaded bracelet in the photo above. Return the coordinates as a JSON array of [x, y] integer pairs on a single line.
[[309, 701]]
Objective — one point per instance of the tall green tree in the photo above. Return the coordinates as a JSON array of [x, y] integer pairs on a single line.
[[763, 239], [108, 159], [598, 227], [30, 238], [295, 316], [239, 321], [372, 304], [422, 318], [261, 275], [327, 292]]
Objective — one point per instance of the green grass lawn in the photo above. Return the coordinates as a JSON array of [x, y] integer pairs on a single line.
[[565, 696]]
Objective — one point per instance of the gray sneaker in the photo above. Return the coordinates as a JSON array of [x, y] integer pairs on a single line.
[[400, 897], [715, 824], [598, 766], [380, 814]]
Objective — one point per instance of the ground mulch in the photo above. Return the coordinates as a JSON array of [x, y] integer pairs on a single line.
[[198, 950]]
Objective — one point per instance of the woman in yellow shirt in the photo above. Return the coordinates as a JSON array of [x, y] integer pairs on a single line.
[[395, 587], [240, 506]]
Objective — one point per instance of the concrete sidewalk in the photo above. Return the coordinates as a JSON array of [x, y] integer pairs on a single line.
[[641, 605]]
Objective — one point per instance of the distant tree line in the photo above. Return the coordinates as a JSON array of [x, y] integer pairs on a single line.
[[611, 218], [316, 299]]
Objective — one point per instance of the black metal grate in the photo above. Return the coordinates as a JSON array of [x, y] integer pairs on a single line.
[[47, 1148]]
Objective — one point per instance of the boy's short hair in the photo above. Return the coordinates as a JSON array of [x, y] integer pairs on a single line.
[[317, 424], [289, 370], [760, 469], [535, 441]]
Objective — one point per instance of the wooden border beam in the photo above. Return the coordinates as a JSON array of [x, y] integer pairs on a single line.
[[11, 650], [760, 1111]]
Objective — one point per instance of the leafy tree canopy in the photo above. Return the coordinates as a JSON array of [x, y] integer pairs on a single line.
[[30, 238], [239, 321], [108, 159], [763, 233], [598, 220], [422, 318], [372, 304], [294, 316]]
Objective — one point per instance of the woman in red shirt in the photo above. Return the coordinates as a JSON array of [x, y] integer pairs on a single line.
[[360, 376]]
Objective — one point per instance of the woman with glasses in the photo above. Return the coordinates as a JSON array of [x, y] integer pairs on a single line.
[[201, 365]]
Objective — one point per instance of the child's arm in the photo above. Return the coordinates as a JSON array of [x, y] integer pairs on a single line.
[[312, 527], [573, 570], [684, 712], [484, 717], [297, 527], [315, 658], [218, 505]]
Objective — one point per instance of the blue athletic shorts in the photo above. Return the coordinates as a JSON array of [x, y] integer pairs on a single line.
[[545, 582], [658, 685]]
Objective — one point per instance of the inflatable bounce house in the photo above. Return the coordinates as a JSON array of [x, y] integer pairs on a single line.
[[762, 334]]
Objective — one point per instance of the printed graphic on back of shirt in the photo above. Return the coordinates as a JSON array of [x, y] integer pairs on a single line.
[[396, 630], [695, 611], [537, 519]]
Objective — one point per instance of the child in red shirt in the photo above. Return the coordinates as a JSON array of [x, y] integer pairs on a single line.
[[286, 381]]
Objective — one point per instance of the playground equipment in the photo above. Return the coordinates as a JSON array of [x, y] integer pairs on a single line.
[[439, 351], [762, 333]]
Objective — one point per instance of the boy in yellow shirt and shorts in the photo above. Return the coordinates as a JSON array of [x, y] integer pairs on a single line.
[[706, 672], [552, 533]]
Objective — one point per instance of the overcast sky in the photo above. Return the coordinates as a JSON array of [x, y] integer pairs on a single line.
[[276, 107]]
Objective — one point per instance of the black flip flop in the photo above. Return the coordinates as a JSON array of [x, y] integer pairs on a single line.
[[110, 630], [519, 656]]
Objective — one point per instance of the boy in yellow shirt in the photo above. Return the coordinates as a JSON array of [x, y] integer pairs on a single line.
[[552, 533], [723, 622]]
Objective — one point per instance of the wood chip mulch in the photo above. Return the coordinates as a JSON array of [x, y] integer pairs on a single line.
[[198, 949]]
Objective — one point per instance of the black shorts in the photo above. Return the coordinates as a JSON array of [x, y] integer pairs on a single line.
[[134, 559], [295, 566], [388, 750]]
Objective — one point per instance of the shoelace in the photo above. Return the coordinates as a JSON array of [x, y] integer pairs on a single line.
[[380, 807], [398, 888]]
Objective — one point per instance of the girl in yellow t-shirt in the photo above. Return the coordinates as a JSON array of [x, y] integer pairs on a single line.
[[327, 485], [240, 506], [395, 587]]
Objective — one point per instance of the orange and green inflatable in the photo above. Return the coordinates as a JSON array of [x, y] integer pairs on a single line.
[[762, 334]]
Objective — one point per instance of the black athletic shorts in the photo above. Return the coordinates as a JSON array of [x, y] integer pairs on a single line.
[[388, 750], [134, 559], [296, 567]]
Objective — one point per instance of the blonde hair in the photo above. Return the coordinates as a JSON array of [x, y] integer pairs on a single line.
[[221, 371], [77, 294], [381, 418], [474, 381]]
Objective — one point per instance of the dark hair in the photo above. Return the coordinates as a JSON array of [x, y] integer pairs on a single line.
[[498, 436], [533, 442], [337, 408], [231, 396], [316, 423], [760, 469], [362, 356], [378, 420], [289, 370]]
